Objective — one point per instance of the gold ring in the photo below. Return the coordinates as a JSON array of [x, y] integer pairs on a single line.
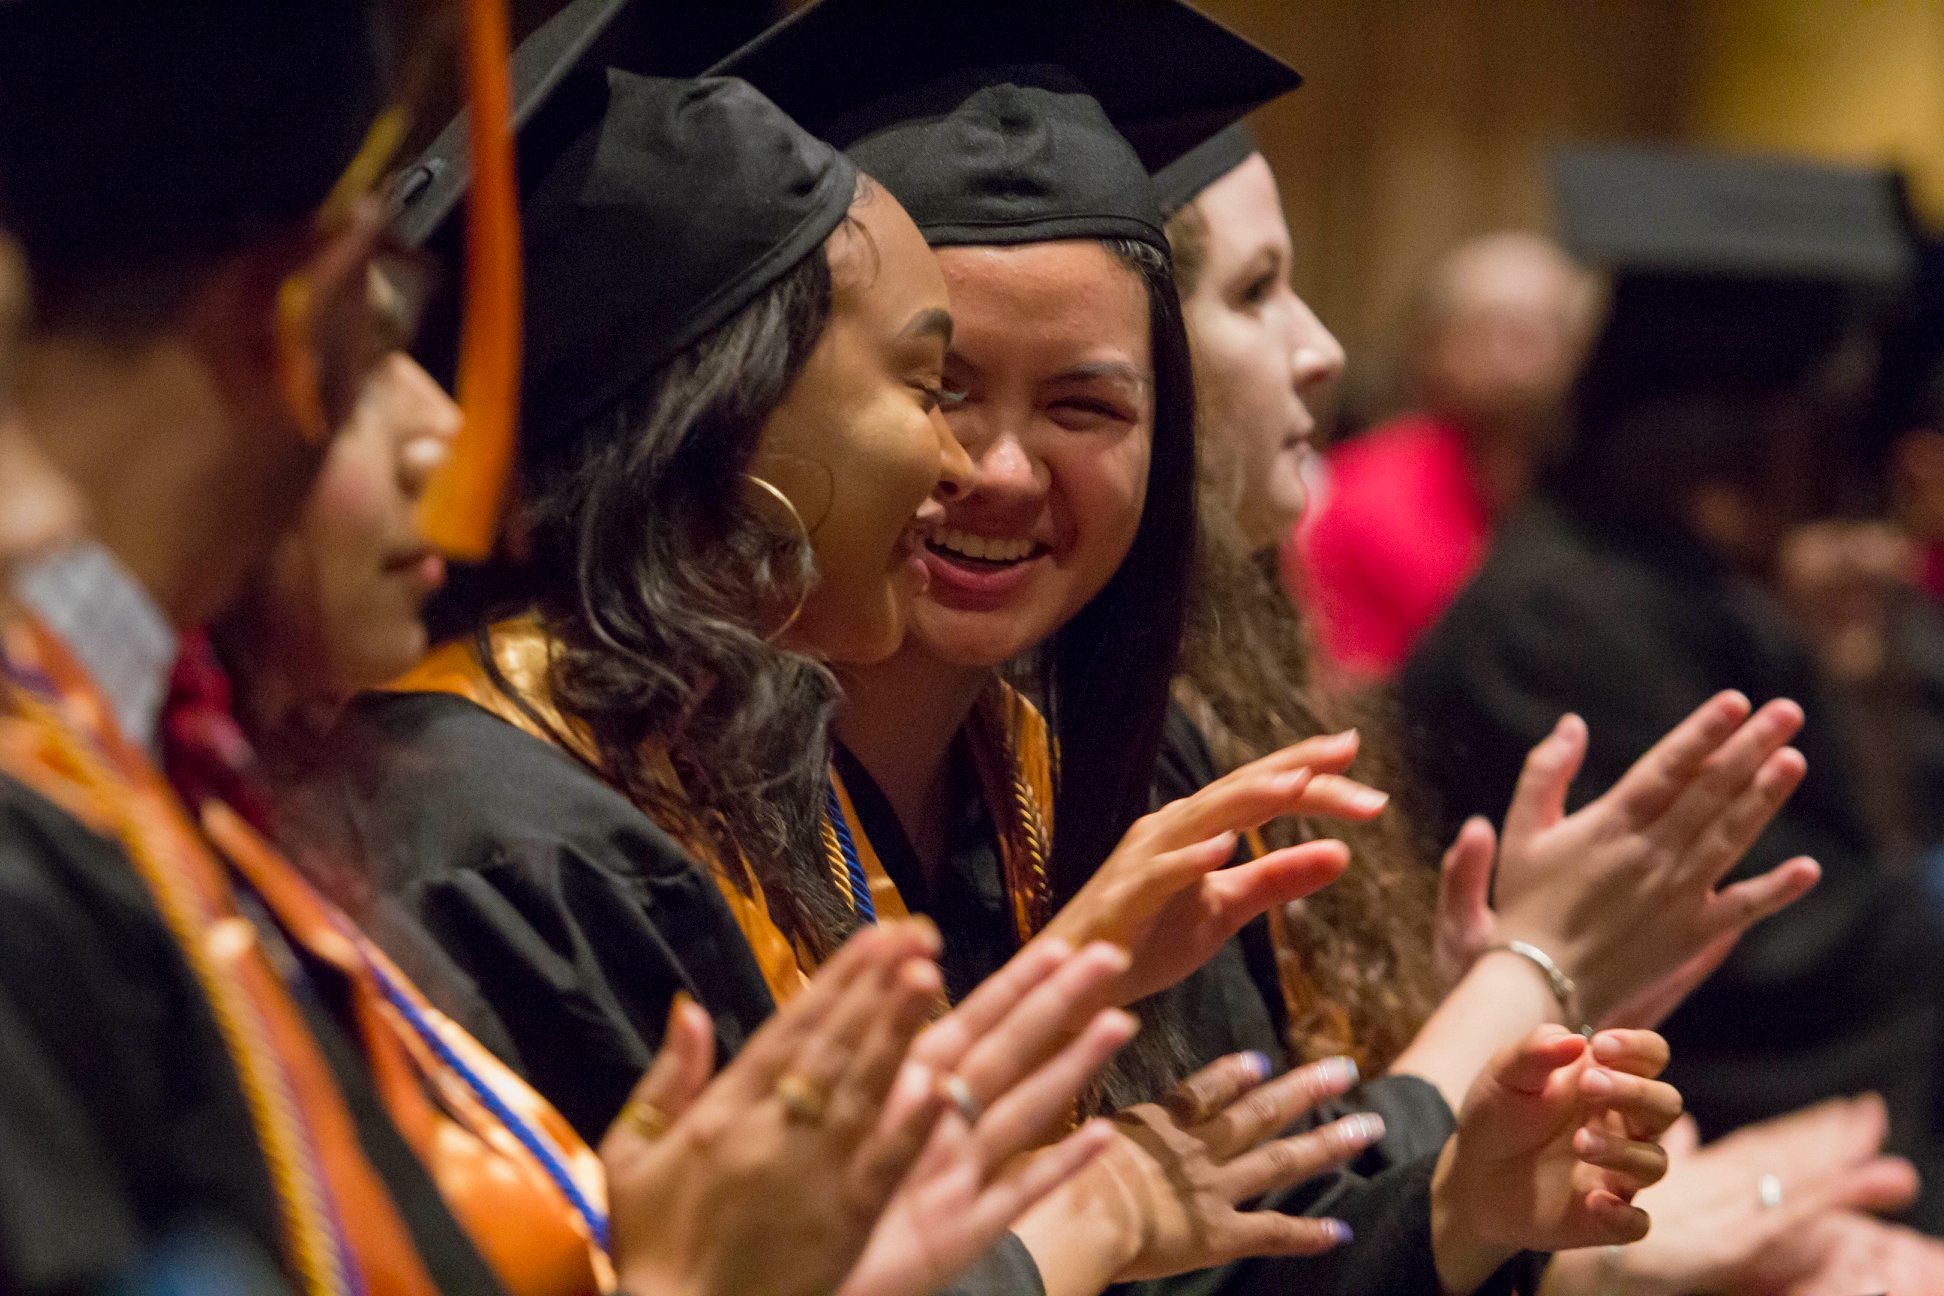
[[802, 1100], [646, 1119]]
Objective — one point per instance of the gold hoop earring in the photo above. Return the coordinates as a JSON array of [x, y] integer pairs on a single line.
[[775, 492]]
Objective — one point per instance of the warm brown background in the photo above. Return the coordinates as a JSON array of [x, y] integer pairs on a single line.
[[1426, 121]]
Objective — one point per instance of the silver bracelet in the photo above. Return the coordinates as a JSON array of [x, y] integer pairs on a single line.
[[1561, 985]]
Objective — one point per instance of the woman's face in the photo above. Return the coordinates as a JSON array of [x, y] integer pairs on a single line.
[[1262, 358], [859, 445], [1051, 355], [345, 585]]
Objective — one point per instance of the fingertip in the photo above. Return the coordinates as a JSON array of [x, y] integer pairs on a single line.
[[1596, 1083], [1338, 1232], [920, 978], [1107, 957]]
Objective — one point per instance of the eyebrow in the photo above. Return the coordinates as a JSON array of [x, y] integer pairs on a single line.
[[934, 321], [1111, 370]]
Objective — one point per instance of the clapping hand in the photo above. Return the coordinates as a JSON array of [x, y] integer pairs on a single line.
[[1554, 1141], [1167, 894]]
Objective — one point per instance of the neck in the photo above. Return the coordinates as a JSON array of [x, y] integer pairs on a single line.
[[899, 718], [141, 436]]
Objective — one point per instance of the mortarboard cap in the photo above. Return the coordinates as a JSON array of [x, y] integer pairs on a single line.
[[1670, 213], [673, 206], [1012, 121], [653, 210], [145, 134], [1181, 181]]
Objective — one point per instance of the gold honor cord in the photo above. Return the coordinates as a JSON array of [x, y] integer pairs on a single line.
[[461, 509]]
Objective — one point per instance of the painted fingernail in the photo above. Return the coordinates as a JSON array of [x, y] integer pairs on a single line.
[[1339, 1232], [1258, 1064], [1360, 1130], [1337, 1073]]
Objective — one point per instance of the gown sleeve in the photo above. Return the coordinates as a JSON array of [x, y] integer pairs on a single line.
[[551, 916]]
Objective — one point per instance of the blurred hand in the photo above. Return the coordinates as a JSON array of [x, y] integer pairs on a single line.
[[770, 1178], [1711, 1231], [1166, 894], [1625, 893], [1026, 1044], [1554, 1141]]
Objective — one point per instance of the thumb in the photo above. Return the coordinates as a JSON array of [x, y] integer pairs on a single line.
[[674, 1080], [1539, 800], [1524, 1069], [1465, 877]]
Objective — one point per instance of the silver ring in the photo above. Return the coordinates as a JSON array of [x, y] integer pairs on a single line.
[[1768, 1191], [960, 1093]]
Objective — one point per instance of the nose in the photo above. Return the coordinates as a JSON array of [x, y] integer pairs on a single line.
[[1317, 357], [428, 422], [954, 464]]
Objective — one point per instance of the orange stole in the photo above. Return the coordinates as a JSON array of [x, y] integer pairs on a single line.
[[341, 1231], [520, 652], [487, 1177]]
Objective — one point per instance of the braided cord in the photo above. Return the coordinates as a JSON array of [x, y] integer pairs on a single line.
[[316, 1247]]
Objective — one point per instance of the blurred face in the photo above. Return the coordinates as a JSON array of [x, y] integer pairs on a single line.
[[343, 589], [1507, 335], [1262, 358], [859, 445], [1052, 357]]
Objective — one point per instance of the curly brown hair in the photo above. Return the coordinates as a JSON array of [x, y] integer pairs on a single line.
[[1357, 965]]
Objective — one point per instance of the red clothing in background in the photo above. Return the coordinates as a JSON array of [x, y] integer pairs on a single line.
[[1395, 537]]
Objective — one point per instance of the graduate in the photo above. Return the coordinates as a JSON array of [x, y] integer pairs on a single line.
[[1068, 551], [1636, 585], [213, 1080], [1354, 956]]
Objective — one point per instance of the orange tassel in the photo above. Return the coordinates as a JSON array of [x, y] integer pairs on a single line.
[[461, 510]]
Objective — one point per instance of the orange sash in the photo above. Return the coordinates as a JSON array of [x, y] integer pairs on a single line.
[[1010, 737], [342, 1230]]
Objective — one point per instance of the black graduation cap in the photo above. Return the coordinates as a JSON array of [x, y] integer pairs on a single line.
[[1729, 268], [582, 34], [653, 209], [1735, 279], [147, 132], [674, 206], [1011, 121], [1181, 181], [1650, 211]]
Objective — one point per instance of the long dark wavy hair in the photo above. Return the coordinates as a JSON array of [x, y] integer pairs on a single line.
[[1359, 959], [662, 584], [1104, 677]]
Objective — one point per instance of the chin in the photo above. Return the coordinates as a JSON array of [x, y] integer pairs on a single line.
[[975, 640]]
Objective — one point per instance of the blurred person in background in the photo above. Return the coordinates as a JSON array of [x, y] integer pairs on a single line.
[[1496, 335], [1707, 423]]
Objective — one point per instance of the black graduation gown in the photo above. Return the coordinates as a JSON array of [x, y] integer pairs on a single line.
[[1838, 994], [563, 921], [126, 1150]]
